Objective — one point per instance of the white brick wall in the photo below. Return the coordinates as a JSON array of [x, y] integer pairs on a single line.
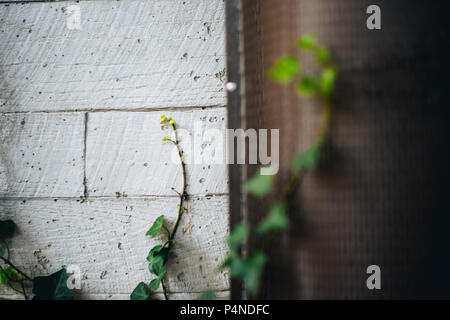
[[79, 116]]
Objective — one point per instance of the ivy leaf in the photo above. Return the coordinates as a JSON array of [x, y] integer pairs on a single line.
[[232, 255], [249, 270], [156, 227], [3, 278], [141, 292], [254, 267], [154, 252], [7, 228], [327, 79], [52, 287], [322, 55], [259, 185], [307, 159], [157, 265], [154, 284], [306, 87], [6, 274], [156, 258], [275, 220], [285, 69], [162, 272], [238, 236], [307, 41], [207, 295]]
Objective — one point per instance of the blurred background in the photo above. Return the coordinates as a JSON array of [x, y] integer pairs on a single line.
[[379, 195]]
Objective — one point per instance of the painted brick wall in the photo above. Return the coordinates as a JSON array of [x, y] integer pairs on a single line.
[[83, 170]]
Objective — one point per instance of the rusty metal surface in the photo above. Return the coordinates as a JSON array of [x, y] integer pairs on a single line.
[[379, 194]]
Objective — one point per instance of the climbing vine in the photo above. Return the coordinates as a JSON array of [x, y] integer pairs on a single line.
[[285, 71], [52, 287], [158, 256]]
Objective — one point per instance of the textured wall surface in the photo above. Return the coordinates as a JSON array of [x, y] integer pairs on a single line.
[[83, 170]]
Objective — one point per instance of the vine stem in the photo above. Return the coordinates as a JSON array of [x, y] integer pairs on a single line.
[[15, 268], [296, 179], [23, 292], [326, 119], [23, 289], [181, 195], [323, 134], [164, 289]]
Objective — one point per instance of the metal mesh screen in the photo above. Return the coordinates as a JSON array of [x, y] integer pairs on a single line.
[[379, 194]]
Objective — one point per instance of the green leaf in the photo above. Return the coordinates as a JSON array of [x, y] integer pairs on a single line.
[[207, 295], [307, 159], [259, 185], [322, 55], [156, 258], [162, 272], [232, 255], [154, 284], [157, 265], [237, 266], [285, 69], [306, 87], [253, 273], [156, 227], [52, 287], [249, 270], [154, 252], [7, 274], [327, 79], [275, 220], [7, 228], [238, 236], [307, 41], [141, 292]]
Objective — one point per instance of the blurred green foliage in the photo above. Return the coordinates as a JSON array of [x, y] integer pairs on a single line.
[[285, 70]]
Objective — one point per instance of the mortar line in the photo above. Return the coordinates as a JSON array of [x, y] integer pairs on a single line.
[[128, 293], [143, 197], [86, 119], [187, 108], [44, 1], [170, 292]]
